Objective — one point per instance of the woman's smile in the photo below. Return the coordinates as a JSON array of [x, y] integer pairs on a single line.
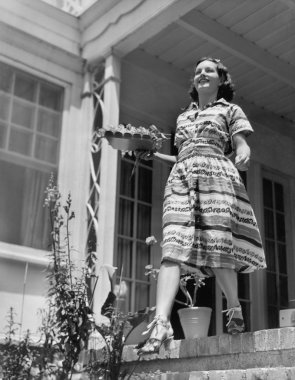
[[203, 80]]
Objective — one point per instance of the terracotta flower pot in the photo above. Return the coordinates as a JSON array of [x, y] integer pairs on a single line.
[[195, 321]]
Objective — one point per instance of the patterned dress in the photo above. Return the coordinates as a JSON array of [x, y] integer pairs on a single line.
[[208, 221]]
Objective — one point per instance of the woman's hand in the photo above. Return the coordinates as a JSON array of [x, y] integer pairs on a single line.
[[242, 162], [243, 152], [144, 154]]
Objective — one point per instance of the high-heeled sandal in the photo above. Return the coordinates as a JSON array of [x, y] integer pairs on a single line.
[[235, 325], [164, 333]]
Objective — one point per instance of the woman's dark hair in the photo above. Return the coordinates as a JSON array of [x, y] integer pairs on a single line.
[[226, 87]]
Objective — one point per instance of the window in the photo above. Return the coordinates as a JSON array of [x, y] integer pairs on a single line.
[[30, 122], [134, 226], [275, 249]]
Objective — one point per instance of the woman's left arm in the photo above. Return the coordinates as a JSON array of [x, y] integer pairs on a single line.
[[243, 152]]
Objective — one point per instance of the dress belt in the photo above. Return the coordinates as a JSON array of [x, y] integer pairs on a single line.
[[191, 148]]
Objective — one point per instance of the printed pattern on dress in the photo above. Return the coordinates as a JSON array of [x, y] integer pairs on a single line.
[[208, 220]]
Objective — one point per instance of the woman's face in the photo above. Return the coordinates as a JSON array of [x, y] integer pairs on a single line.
[[206, 78]]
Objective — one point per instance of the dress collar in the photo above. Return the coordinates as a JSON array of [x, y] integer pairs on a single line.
[[218, 101]]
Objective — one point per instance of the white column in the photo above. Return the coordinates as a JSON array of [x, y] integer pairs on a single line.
[[74, 170], [108, 182], [85, 137]]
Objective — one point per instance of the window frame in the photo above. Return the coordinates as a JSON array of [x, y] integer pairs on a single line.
[[16, 252], [134, 239], [284, 180], [30, 159]]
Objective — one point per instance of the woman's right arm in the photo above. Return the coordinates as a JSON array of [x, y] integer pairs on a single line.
[[148, 155], [165, 157]]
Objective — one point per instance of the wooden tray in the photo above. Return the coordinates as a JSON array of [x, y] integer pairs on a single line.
[[128, 141]]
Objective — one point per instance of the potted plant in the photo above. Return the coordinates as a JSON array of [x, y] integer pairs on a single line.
[[195, 320]]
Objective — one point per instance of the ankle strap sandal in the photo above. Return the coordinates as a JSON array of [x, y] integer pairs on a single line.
[[235, 325], [158, 320], [162, 332]]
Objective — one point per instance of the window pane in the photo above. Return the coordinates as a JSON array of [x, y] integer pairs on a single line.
[[269, 224], [5, 77], [125, 217], [124, 257], [127, 179], [46, 149], [134, 189], [272, 289], [282, 258], [24, 220], [48, 122], [279, 196], [284, 291], [267, 193], [3, 134], [20, 141], [276, 250], [243, 286], [25, 87], [22, 114], [50, 96], [270, 255], [148, 163], [124, 301], [141, 296], [145, 185], [142, 259], [243, 175], [280, 227], [273, 317], [143, 221], [4, 107], [246, 314]]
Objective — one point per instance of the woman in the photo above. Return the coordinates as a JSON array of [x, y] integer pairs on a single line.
[[208, 222]]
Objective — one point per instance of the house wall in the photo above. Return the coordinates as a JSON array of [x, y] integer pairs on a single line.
[[25, 291], [48, 48]]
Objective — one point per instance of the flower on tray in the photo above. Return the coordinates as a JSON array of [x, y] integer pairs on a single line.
[[151, 240]]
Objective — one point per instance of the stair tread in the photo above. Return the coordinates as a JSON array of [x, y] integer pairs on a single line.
[[277, 373]]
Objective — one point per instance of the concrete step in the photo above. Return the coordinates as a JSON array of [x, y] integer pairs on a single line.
[[266, 350], [280, 373]]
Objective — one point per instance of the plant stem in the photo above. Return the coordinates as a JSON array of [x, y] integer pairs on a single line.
[[68, 246], [195, 292]]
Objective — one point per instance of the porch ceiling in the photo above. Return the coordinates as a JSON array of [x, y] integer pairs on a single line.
[[255, 40]]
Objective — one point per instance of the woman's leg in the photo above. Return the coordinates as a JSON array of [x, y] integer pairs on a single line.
[[228, 281], [167, 288], [160, 327]]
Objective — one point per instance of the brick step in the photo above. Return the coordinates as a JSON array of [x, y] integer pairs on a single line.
[[279, 373], [266, 349]]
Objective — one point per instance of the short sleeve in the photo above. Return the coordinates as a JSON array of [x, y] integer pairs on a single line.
[[239, 122]]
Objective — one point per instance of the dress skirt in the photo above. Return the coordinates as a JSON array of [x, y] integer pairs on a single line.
[[208, 221]]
